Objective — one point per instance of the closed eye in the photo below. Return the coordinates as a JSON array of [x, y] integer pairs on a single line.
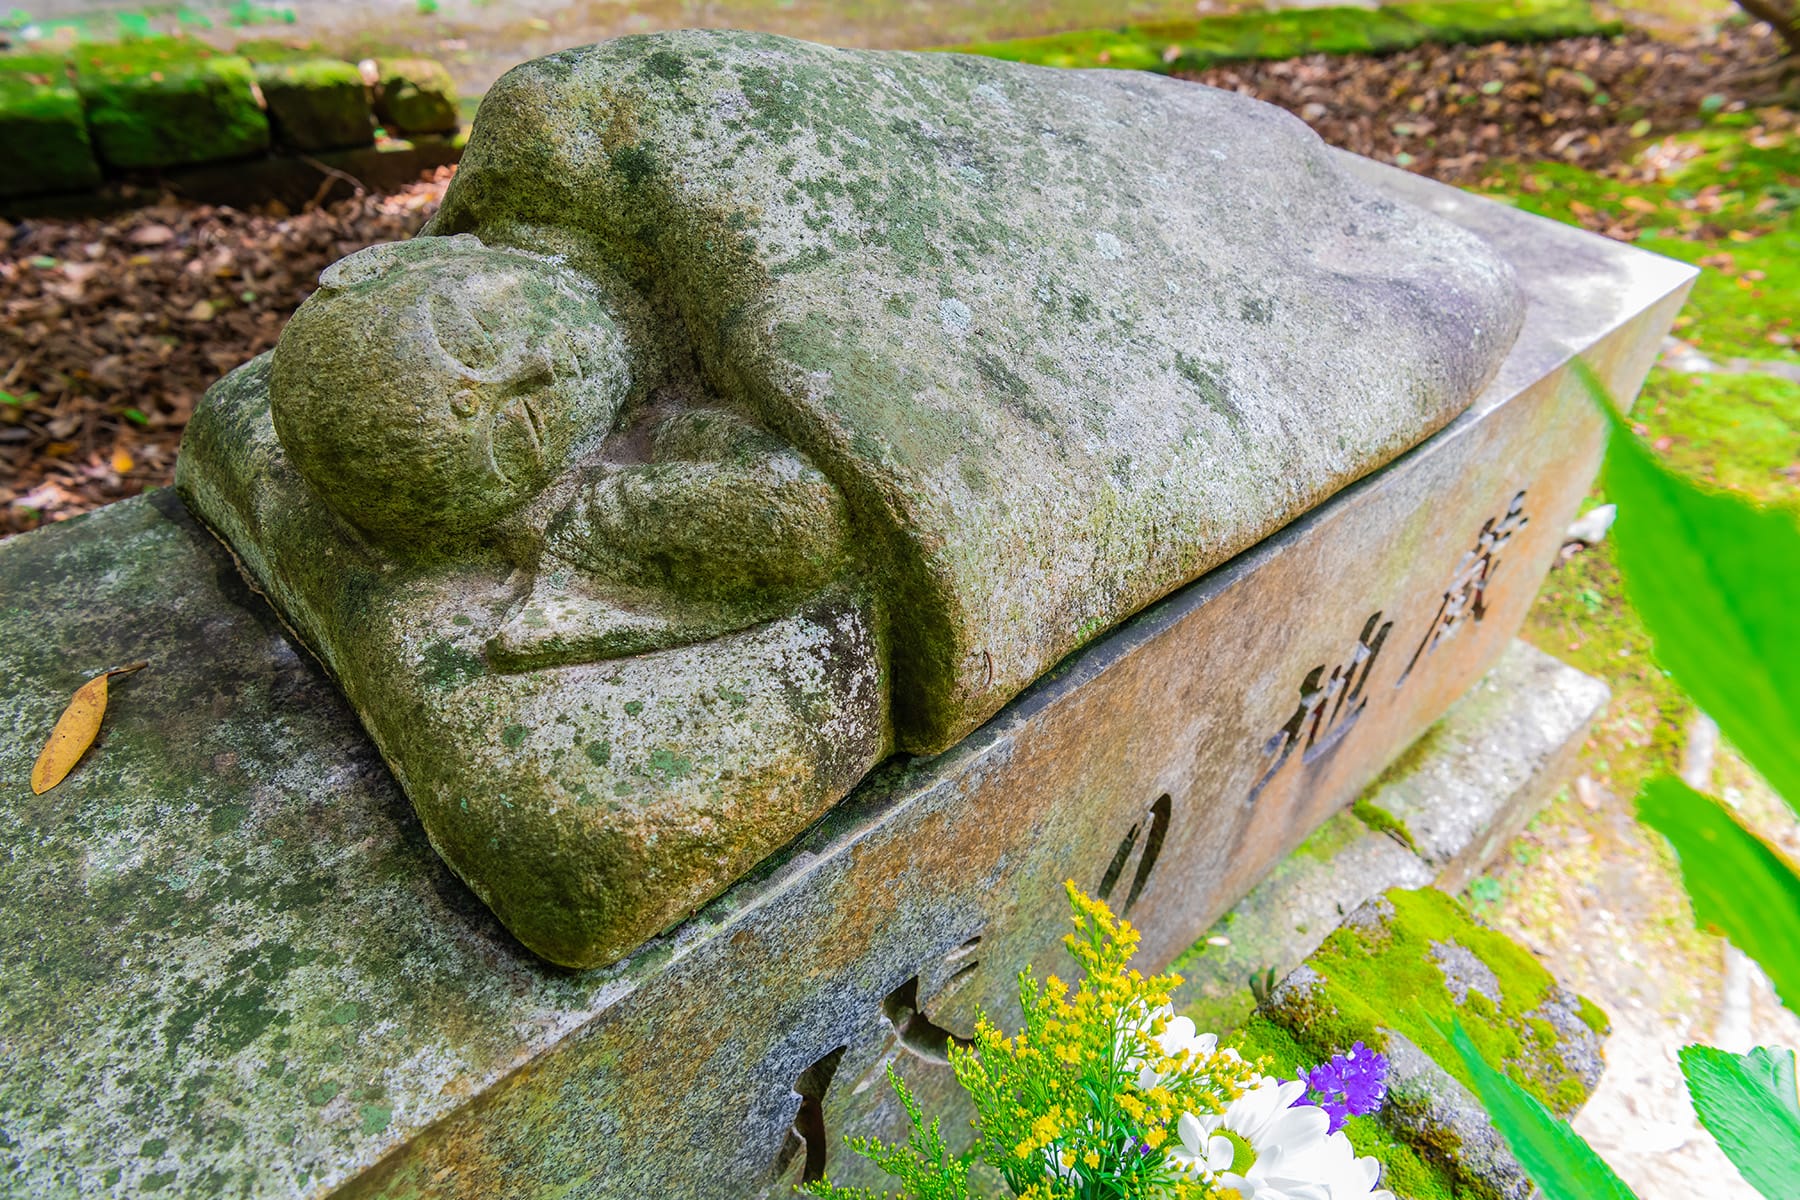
[[460, 334]]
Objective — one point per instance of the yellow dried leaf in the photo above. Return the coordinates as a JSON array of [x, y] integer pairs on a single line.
[[121, 461], [75, 731]]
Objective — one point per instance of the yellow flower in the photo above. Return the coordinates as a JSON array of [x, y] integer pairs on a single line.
[[1155, 1137], [1091, 1158]]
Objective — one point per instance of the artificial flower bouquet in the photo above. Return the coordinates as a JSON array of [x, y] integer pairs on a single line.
[[1107, 1095]]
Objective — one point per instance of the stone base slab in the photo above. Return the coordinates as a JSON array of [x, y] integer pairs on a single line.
[[232, 965]]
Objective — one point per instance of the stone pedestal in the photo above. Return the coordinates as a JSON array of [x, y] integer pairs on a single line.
[[233, 966]]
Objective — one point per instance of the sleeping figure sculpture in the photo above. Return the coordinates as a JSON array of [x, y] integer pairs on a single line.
[[754, 410]]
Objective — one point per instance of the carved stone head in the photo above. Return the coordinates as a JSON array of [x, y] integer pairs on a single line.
[[431, 387]]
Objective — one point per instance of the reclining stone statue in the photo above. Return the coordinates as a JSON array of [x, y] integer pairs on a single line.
[[754, 410]]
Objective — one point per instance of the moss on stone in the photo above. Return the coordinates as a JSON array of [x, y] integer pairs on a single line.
[[1593, 1016], [167, 102], [316, 103], [43, 129], [1381, 821], [1334, 835], [1422, 964], [1197, 44], [416, 95]]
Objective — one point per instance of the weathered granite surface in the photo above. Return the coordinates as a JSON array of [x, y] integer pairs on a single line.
[[230, 965], [1456, 800], [755, 409], [1465, 788]]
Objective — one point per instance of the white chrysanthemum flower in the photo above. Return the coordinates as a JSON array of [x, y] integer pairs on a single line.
[[1266, 1147], [1198, 1152]]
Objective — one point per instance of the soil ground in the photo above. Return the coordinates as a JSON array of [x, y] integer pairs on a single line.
[[109, 330]]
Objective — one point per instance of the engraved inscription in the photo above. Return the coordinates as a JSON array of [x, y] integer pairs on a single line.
[[808, 1140], [1143, 841], [910, 1031], [1466, 597], [1328, 707]]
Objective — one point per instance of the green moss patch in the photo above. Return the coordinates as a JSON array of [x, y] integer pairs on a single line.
[[43, 129], [415, 96], [316, 103], [1334, 835], [1197, 44], [1423, 962], [1382, 821], [169, 102], [1738, 431]]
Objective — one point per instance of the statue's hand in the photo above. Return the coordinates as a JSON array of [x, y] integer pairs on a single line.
[[757, 526], [667, 553]]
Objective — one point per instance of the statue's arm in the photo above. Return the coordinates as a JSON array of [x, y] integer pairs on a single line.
[[723, 513]]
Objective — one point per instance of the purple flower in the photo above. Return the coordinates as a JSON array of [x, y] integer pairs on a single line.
[[1352, 1084]]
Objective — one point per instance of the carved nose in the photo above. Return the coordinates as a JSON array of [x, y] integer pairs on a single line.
[[521, 411]]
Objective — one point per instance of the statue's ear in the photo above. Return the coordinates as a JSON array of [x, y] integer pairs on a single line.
[[373, 262]]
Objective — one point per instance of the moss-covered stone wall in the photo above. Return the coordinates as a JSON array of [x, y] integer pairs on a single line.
[[70, 119]]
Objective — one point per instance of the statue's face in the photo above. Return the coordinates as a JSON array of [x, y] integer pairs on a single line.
[[433, 386]]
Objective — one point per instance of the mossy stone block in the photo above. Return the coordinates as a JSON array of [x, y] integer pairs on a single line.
[[416, 95], [1194, 45], [1410, 963], [167, 102], [1398, 971], [316, 104], [43, 130]]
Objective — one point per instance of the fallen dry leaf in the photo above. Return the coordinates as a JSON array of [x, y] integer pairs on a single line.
[[75, 731]]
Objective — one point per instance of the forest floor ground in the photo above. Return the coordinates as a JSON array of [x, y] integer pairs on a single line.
[[110, 329]]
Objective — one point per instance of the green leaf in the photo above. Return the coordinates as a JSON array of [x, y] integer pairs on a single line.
[[1749, 1104], [1562, 1165], [1739, 884], [1714, 578]]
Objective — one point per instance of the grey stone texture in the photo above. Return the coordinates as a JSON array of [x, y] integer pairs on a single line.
[[234, 965], [753, 409], [1474, 791], [1429, 1107]]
